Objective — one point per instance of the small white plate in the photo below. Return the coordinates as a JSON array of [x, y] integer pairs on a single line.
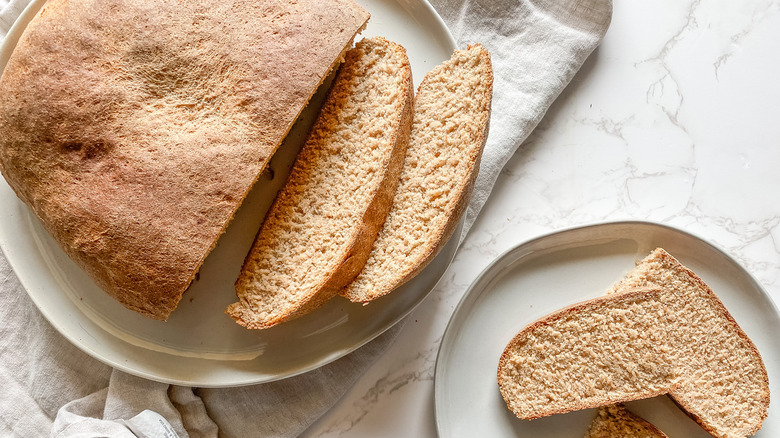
[[200, 345], [563, 268]]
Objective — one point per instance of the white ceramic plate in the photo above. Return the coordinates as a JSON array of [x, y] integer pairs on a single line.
[[563, 268], [200, 345]]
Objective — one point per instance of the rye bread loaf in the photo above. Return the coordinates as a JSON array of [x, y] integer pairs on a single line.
[[722, 382], [319, 231], [615, 421], [135, 128], [450, 127], [717, 375]]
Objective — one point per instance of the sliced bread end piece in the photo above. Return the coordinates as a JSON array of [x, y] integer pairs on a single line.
[[615, 421], [603, 351], [319, 230], [449, 130]]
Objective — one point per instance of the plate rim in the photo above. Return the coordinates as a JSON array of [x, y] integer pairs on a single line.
[[13, 258], [461, 305]]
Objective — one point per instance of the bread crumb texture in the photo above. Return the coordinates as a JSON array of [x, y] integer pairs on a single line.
[[678, 335], [600, 352], [135, 128], [722, 382], [615, 421], [318, 218], [449, 130]]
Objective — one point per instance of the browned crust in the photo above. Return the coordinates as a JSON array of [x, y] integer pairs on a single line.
[[756, 356], [134, 129], [459, 208], [503, 379], [364, 233]]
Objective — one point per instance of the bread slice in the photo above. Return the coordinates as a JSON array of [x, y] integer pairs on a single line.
[[451, 118], [722, 381], [319, 231], [134, 129], [603, 351], [674, 337], [615, 421]]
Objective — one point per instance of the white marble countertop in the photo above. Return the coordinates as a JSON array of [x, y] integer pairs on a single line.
[[675, 118]]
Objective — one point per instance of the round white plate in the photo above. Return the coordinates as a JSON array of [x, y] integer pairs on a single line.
[[563, 268], [200, 345]]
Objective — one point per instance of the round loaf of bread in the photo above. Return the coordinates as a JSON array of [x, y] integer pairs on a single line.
[[135, 128]]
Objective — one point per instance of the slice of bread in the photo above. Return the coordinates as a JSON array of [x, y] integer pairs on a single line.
[[134, 129], [615, 421], [673, 322], [722, 381], [319, 231], [607, 350], [451, 118]]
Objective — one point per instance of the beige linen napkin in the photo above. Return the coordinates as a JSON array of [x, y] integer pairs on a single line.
[[53, 388]]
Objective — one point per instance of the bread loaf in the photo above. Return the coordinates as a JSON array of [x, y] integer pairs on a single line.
[[319, 231], [615, 421], [134, 128], [450, 127]]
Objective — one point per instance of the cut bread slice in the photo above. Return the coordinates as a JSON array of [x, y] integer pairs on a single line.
[[450, 127], [603, 351], [319, 231], [134, 129], [615, 421], [722, 381], [717, 375]]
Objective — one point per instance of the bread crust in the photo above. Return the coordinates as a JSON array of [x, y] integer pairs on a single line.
[[134, 129], [352, 255]]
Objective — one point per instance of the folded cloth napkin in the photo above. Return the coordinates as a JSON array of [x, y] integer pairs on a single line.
[[53, 388]]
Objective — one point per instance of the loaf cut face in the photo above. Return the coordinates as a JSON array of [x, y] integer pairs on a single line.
[[675, 323], [319, 231], [450, 127], [615, 421], [134, 129]]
